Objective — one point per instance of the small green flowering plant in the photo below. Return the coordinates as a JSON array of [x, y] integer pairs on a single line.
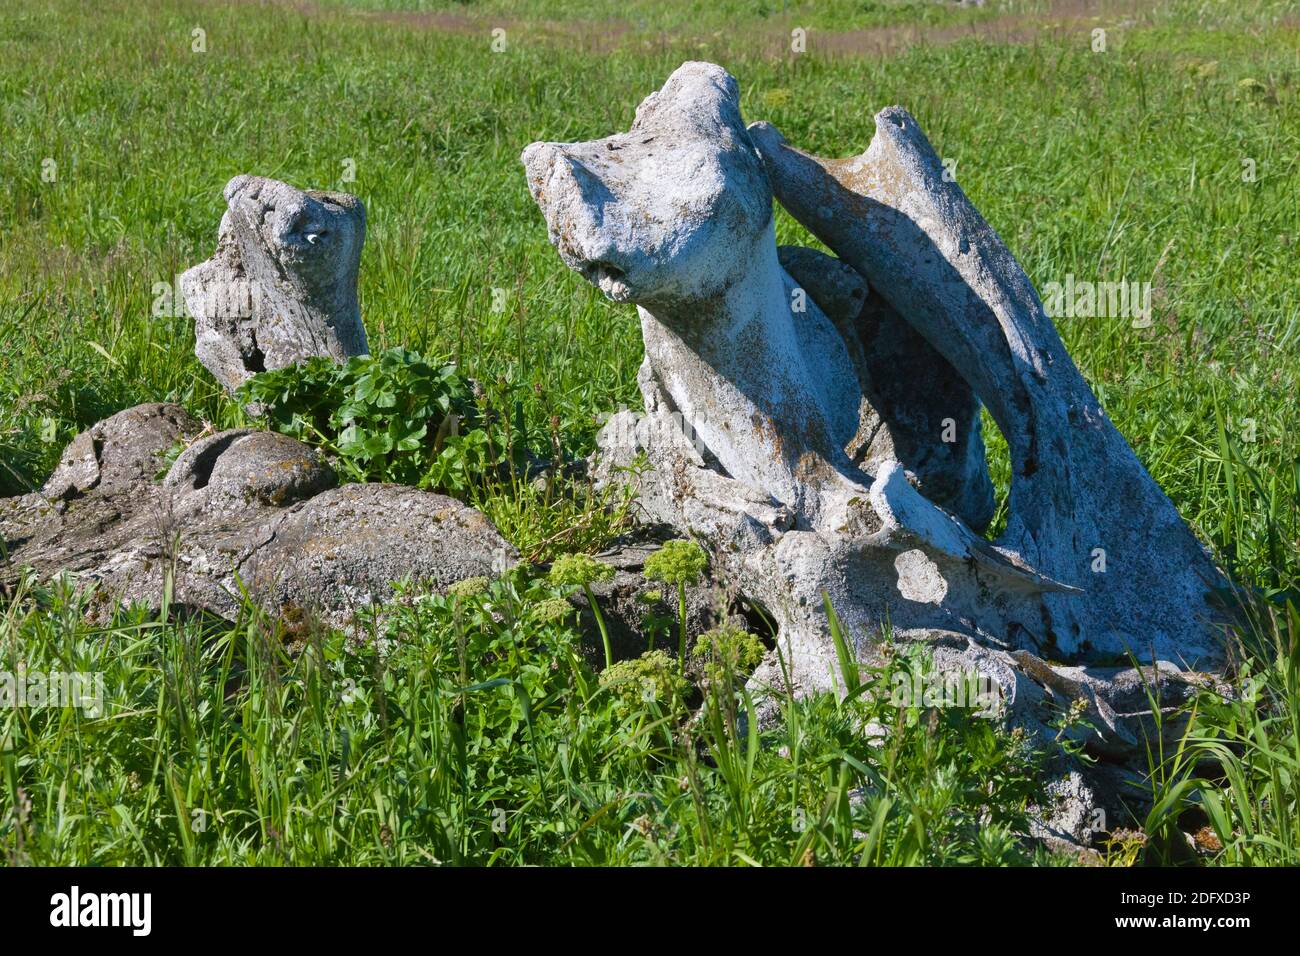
[[582, 570], [649, 679], [728, 652], [680, 563], [552, 611], [469, 588]]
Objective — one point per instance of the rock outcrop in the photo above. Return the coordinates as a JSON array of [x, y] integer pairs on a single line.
[[238, 513]]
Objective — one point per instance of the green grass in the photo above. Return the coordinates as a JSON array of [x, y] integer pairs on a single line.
[[482, 738], [1124, 164]]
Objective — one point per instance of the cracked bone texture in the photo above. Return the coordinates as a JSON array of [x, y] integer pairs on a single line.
[[1079, 495], [918, 394], [241, 509], [676, 215], [282, 285], [804, 448]]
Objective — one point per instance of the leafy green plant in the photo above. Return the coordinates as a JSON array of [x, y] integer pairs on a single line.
[[680, 563], [582, 570], [727, 650], [394, 416]]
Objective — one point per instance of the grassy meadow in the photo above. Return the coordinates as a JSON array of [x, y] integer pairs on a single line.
[[1171, 156]]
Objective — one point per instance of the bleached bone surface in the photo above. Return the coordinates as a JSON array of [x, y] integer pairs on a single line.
[[839, 454], [282, 285], [1080, 500]]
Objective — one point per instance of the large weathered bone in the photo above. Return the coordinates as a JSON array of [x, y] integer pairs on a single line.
[[282, 285], [757, 413], [677, 215], [1080, 500]]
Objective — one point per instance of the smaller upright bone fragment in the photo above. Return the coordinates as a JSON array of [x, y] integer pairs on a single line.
[[282, 285]]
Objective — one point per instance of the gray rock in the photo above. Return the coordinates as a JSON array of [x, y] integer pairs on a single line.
[[1083, 511], [97, 481], [239, 513], [120, 452], [915, 408], [828, 444], [343, 549], [282, 286], [242, 467]]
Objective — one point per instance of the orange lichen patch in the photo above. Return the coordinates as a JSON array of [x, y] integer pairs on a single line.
[[1207, 840], [813, 468]]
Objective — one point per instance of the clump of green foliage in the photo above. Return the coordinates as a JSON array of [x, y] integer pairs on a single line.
[[394, 416], [680, 563], [728, 650], [651, 678], [582, 570]]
